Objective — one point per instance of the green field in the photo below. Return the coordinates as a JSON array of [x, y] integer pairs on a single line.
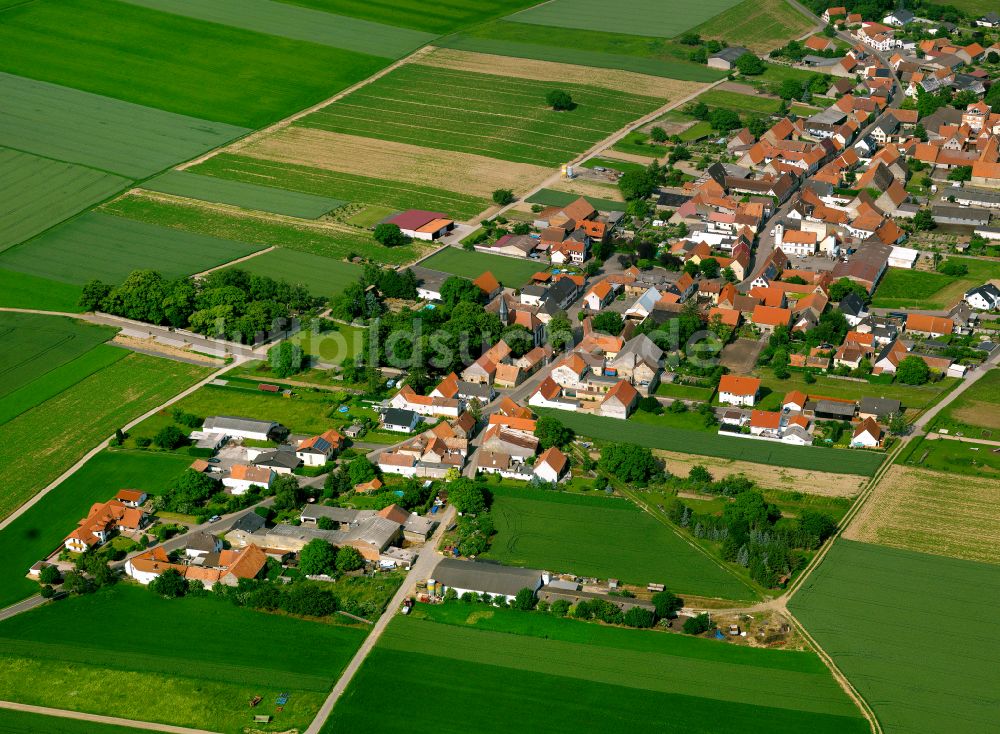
[[20, 290], [613, 163], [22, 722], [243, 194], [300, 24], [676, 685], [101, 246], [41, 529], [925, 289], [35, 344], [41, 443], [40, 192], [841, 461], [510, 271], [867, 606], [332, 346], [322, 182], [976, 411], [760, 25], [557, 531], [174, 63], [99, 132], [636, 17], [495, 116], [440, 17], [741, 103], [67, 655], [954, 457], [323, 276], [551, 197]]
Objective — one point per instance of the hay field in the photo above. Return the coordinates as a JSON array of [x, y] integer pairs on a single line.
[[476, 175], [931, 512], [616, 79], [636, 17]]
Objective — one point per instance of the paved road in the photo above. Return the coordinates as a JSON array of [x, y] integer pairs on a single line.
[[22, 606], [112, 720], [421, 569]]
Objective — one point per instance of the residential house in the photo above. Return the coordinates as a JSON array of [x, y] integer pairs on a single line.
[[408, 399], [868, 435], [878, 409], [226, 567], [399, 420], [549, 394], [318, 450], [985, 297], [134, 498], [735, 390], [619, 401], [639, 362], [551, 465], [928, 326], [101, 523], [488, 284], [600, 295], [768, 318]]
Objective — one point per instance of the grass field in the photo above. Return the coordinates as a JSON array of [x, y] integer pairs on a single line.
[[22, 722], [711, 444], [41, 443], [243, 194], [174, 63], [510, 271], [678, 686], [40, 192], [494, 116], [100, 132], [98, 245], [953, 457], [929, 290], [635, 17], [35, 344], [613, 163], [42, 527], [868, 606], [20, 290], [79, 661], [976, 412], [556, 531], [741, 103], [441, 17], [551, 197], [332, 346], [300, 24], [323, 276], [759, 25], [334, 184], [929, 512]]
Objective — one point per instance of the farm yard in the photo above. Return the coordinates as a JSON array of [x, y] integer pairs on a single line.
[[927, 511], [323, 276], [636, 17], [868, 606], [66, 655], [678, 683], [484, 114], [556, 531], [705, 443], [510, 271]]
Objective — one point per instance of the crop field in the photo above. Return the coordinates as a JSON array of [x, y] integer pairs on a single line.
[[483, 114], [335, 184], [440, 17], [636, 17], [556, 531], [976, 412], [551, 197], [23, 722], [678, 686], [35, 344], [929, 512], [101, 246], [759, 25], [510, 271], [174, 63], [741, 103], [42, 527], [244, 195], [928, 290], [710, 444], [40, 192], [20, 290], [868, 607], [77, 660], [300, 24], [323, 276], [100, 132], [41, 443], [191, 219]]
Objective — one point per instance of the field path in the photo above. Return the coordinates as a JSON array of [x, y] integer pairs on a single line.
[[112, 720]]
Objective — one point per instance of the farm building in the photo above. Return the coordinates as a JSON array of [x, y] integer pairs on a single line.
[[235, 427], [429, 282], [422, 225], [217, 567], [551, 465], [726, 58], [244, 476], [485, 578]]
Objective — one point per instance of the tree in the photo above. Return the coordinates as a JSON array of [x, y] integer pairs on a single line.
[[697, 110], [360, 470], [729, 275], [897, 424], [993, 57], [636, 184], [750, 65], [913, 371], [658, 134], [679, 153], [169, 584], [953, 268], [842, 287], [285, 359], [550, 432], [287, 493], [317, 558], [667, 604], [559, 100], [699, 474], [920, 132], [960, 173], [525, 600], [709, 267], [629, 462], [503, 197], [817, 525], [724, 120], [560, 331], [94, 293], [308, 600], [349, 558], [698, 625], [390, 235], [456, 290], [924, 220], [50, 575], [466, 496], [639, 617], [608, 322], [169, 437], [790, 89]]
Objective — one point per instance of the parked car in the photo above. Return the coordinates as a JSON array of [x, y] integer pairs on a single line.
[[215, 518]]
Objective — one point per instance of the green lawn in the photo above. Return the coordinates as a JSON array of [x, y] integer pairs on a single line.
[[711, 444], [777, 73], [22, 722], [561, 532], [332, 346], [489, 115], [323, 276], [36, 344], [174, 63], [760, 25], [676, 685], [636, 17], [551, 197], [697, 131], [685, 392], [42, 442], [510, 271], [924, 289], [866, 605], [613, 163], [639, 143], [67, 655], [955, 457], [20, 290], [976, 410], [741, 103], [441, 17], [362, 189]]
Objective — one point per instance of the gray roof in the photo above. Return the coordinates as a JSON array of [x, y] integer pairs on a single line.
[[375, 531], [344, 515], [418, 524], [987, 290], [277, 459], [201, 541], [978, 195], [399, 417], [730, 54], [902, 15], [429, 279], [248, 522], [475, 390], [852, 304], [488, 577], [831, 407], [965, 214], [879, 406], [639, 349], [223, 423]]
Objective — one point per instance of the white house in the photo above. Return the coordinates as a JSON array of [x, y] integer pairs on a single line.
[[318, 450], [903, 257], [243, 476], [551, 465], [549, 395], [235, 427], [484, 578], [599, 296], [734, 390], [983, 298], [868, 435]]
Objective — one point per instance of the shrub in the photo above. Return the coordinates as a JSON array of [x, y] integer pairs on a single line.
[[560, 607], [698, 625], [525, 600], [390, 235], [50, 575], [503, 197], [169, 437], [557, 99], [639, 617]]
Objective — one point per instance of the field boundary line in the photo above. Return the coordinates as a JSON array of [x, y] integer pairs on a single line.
[[100, 719], [251, 256]]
